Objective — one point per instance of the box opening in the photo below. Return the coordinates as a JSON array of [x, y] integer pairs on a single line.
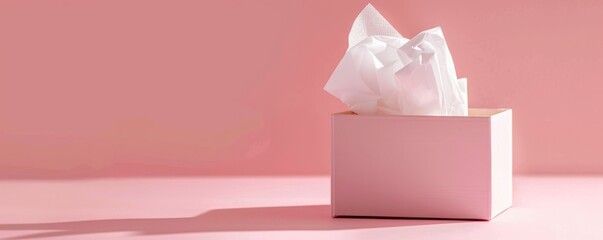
[[473, 112]]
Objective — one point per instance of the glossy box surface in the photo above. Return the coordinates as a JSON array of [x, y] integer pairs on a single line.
[[422, 166]]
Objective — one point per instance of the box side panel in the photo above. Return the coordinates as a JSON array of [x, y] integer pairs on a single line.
[[411, 167], [502, 162], [333, 211]]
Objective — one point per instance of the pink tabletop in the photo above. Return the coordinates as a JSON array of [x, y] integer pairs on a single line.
[[545, 207]]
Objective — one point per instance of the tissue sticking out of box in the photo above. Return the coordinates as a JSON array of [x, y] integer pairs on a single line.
[[385, 73]]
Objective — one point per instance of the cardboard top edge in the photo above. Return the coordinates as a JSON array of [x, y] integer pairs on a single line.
[[473, 113]]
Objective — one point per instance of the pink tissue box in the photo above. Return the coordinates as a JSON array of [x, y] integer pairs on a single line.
[[422, 166]]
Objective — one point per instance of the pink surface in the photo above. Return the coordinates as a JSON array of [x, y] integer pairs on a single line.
[[422, 166], [152, 88], [545, 207]]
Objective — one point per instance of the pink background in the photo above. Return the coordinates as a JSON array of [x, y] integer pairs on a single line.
[[171, 88]]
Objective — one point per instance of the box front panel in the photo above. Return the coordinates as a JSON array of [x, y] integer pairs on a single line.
[[411, 166]]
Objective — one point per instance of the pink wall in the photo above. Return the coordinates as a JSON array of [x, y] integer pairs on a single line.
[[151, 88]]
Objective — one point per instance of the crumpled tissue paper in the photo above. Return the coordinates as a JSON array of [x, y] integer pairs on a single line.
[[385, 73]]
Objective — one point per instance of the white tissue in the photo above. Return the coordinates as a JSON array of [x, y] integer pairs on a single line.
[[385, 73]]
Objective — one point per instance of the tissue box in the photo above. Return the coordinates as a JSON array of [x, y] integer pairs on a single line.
[[422, 166]]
